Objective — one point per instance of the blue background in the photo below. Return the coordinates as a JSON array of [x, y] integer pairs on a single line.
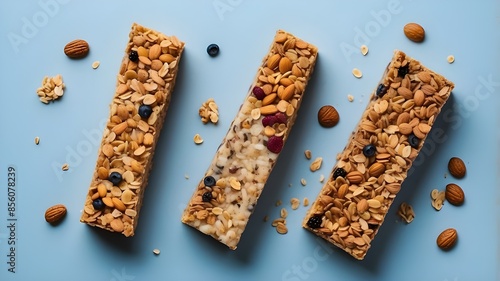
[[33, 35]]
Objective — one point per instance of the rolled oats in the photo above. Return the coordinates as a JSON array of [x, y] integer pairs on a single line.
[[360, 190], [129, 139]]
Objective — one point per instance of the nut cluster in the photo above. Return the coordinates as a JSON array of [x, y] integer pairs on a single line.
[[52, 88], [209, 112]]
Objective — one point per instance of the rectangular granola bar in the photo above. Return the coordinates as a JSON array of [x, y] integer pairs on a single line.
[[144, 87], [225, 198], [368, 174]]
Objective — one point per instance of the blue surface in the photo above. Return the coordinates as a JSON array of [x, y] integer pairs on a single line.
[[69, 129]]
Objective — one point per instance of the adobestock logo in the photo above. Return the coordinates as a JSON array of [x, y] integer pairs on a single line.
[[121, 276], [31, 26], [223, 6], [309, 264], [363, 36]]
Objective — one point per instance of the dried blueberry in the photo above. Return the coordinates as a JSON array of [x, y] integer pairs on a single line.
[[115, 178], [413, 140], [381, 90], [314, 221], [209, 181], [133, 56], [403, 70], [207, 196], [213, 50], [145, 111], [258, 92], [339, 172], [369, 150], [275, 144], [98, 204]]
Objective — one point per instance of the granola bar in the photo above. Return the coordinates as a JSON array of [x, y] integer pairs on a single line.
[[137, 112], [225, 198], [369, 172]]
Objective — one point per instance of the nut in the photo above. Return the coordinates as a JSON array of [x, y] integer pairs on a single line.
[[354, 177], [457, 167], [447, 239], [414, 31], [77, 49], [376, 169], [55, 213], [454, 194], [328, 116]]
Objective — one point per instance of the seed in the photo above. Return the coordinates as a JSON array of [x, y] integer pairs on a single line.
[[357, 73], [350, 98], [96, 64], [450, 59], [303, 182], [364, 50], [37, 140]]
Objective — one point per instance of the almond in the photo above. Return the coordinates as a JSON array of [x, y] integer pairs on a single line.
[[354, 177], [328, 116], [447, 239], [77, 49], [273, 61], [376, 169], [415, 32], [456, 167], [55, 213], [454, 194]]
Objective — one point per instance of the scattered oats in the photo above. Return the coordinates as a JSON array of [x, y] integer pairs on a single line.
[[305, 202], [283, 213], [350, 98], [308, 154], [316, 164], [303, 182], [281, 228], [278, 203], [321, 178], [37, 140], [209, 112], [96, 64], [364, 50], [197, 139], [52, 88], [406, 212], [450, 58], [295, 203], [357, 73], [65, 167], [156, 251]]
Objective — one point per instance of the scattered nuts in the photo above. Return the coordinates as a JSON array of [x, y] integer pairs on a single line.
[[308, 154], [328, 116], [406, 212], [37, 140], [457, 167], [52, 88], [316, 164], [437, 198], [303, 182], [295, 203], [447, 239], [77, 49], [414, 32], [454, 194], [350, 98], [65, 167], [55, 213], [357, 73], [364, 50], [156, 251], [450, 59], [96, 64], [198, 139], [209, 112]]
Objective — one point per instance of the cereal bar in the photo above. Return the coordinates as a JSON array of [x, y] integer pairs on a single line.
[[369, 172], [137, 112], [225, 198]]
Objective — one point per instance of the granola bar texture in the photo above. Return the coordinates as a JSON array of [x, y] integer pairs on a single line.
[[144, 86], [369, 172], [225, 198]]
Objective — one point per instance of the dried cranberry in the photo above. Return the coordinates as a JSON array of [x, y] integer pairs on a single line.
[[258, 92], [275, 144], [269, 120], [280, 117]]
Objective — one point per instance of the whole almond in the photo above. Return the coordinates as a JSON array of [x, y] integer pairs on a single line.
[[287, 93], [77, 49], [414, 31], [354, 177], [328, 116], [55, 213], [273, 61], [376, 169], [454, 194], [457, 167], [447, 239]]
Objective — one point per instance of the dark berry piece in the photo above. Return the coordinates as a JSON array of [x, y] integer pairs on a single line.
[[280, 117], [115, 178], [381, 90], [403, 70], [98, 204], [133, 56], [209, 181], [369, 150], [145, 111], [269, 120], [258, 92], [314, 221], [413, 140], [339, 172], [207, 196], [275, 144], [213, 50]]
